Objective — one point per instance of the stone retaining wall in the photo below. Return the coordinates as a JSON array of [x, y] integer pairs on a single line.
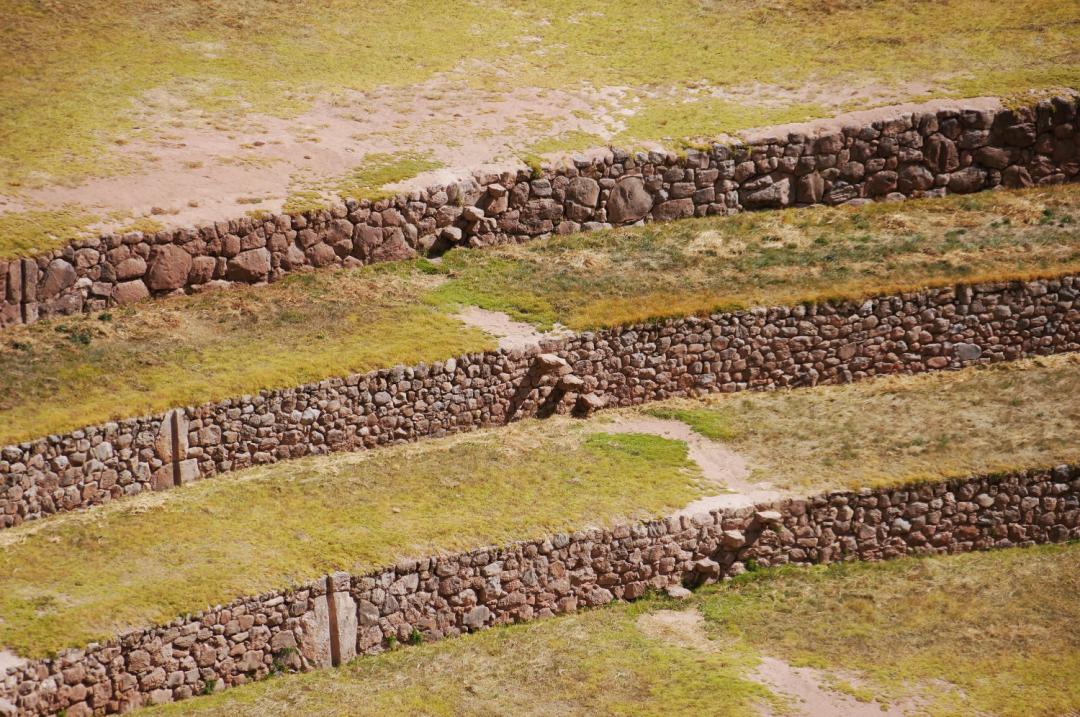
[[341, 616], [919, 154], [753, 349]]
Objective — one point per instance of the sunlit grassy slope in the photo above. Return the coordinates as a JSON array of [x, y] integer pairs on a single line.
[[953, 635], [75, 75], [66, 373], [76, 577]]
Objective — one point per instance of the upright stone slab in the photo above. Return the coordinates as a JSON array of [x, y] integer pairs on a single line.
[[330, 628]]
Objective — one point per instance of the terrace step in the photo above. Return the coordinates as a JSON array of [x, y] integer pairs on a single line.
[[928, 153], [760, 348]]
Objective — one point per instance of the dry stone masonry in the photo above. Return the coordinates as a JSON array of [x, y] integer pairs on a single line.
[[920, 154], [341, 616], [759, 348], [754, 349]]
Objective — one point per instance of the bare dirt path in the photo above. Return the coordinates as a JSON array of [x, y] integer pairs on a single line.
[[805, 689], [197, 170], [511, 334], [9, 659], [719, 464]]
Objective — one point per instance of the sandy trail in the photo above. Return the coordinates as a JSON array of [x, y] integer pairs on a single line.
[[803, 686], [187, 166], [511, 334], [718, 464], [8, 660]]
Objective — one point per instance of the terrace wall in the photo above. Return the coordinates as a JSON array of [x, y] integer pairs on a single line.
[[759, 348], [918, 154], [341, 616]]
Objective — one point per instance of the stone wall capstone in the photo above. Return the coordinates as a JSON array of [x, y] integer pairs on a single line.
[[341, 616], [760, 348], [915, 154]]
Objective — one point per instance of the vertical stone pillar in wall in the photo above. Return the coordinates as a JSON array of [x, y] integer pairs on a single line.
[[171, 446], [330, 629]]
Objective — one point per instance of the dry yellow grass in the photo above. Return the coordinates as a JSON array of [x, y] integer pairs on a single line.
[[77, 76], [63, 374], [903, 428], [77, 577], [763, 258]]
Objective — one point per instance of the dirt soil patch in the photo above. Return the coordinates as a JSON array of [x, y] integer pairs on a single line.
[[511, 334], [805, 689]]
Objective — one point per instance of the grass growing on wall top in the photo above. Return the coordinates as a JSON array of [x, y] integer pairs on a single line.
[[983, 633], [77, 578], [368, 181], [76, 76], [69, 372], [962, 634], [33, 232]]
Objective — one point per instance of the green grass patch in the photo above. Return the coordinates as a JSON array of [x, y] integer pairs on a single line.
[[368, 181], [378, 170], [78, 578], [899, 428], [686, 123], [64, 373], [188, 350], [959, 634]]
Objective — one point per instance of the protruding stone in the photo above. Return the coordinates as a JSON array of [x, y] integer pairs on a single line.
[[628, 202], [59, 275], [477, 617], [732, 539], [571, 383], [169, 267], [968, 352], [584, 191], [472, 214], [249, 266], [588, 403], [707, 569], [777, 194], [549, 363], [768, 517]]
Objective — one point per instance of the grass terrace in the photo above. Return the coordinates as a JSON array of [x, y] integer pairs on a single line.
[[81, 77], [946, 635], [82, 577], [898, 428], [78, 577], [61, 374]]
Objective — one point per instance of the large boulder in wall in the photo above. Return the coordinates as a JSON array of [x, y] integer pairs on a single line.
[[169, 267], [629, 201]]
